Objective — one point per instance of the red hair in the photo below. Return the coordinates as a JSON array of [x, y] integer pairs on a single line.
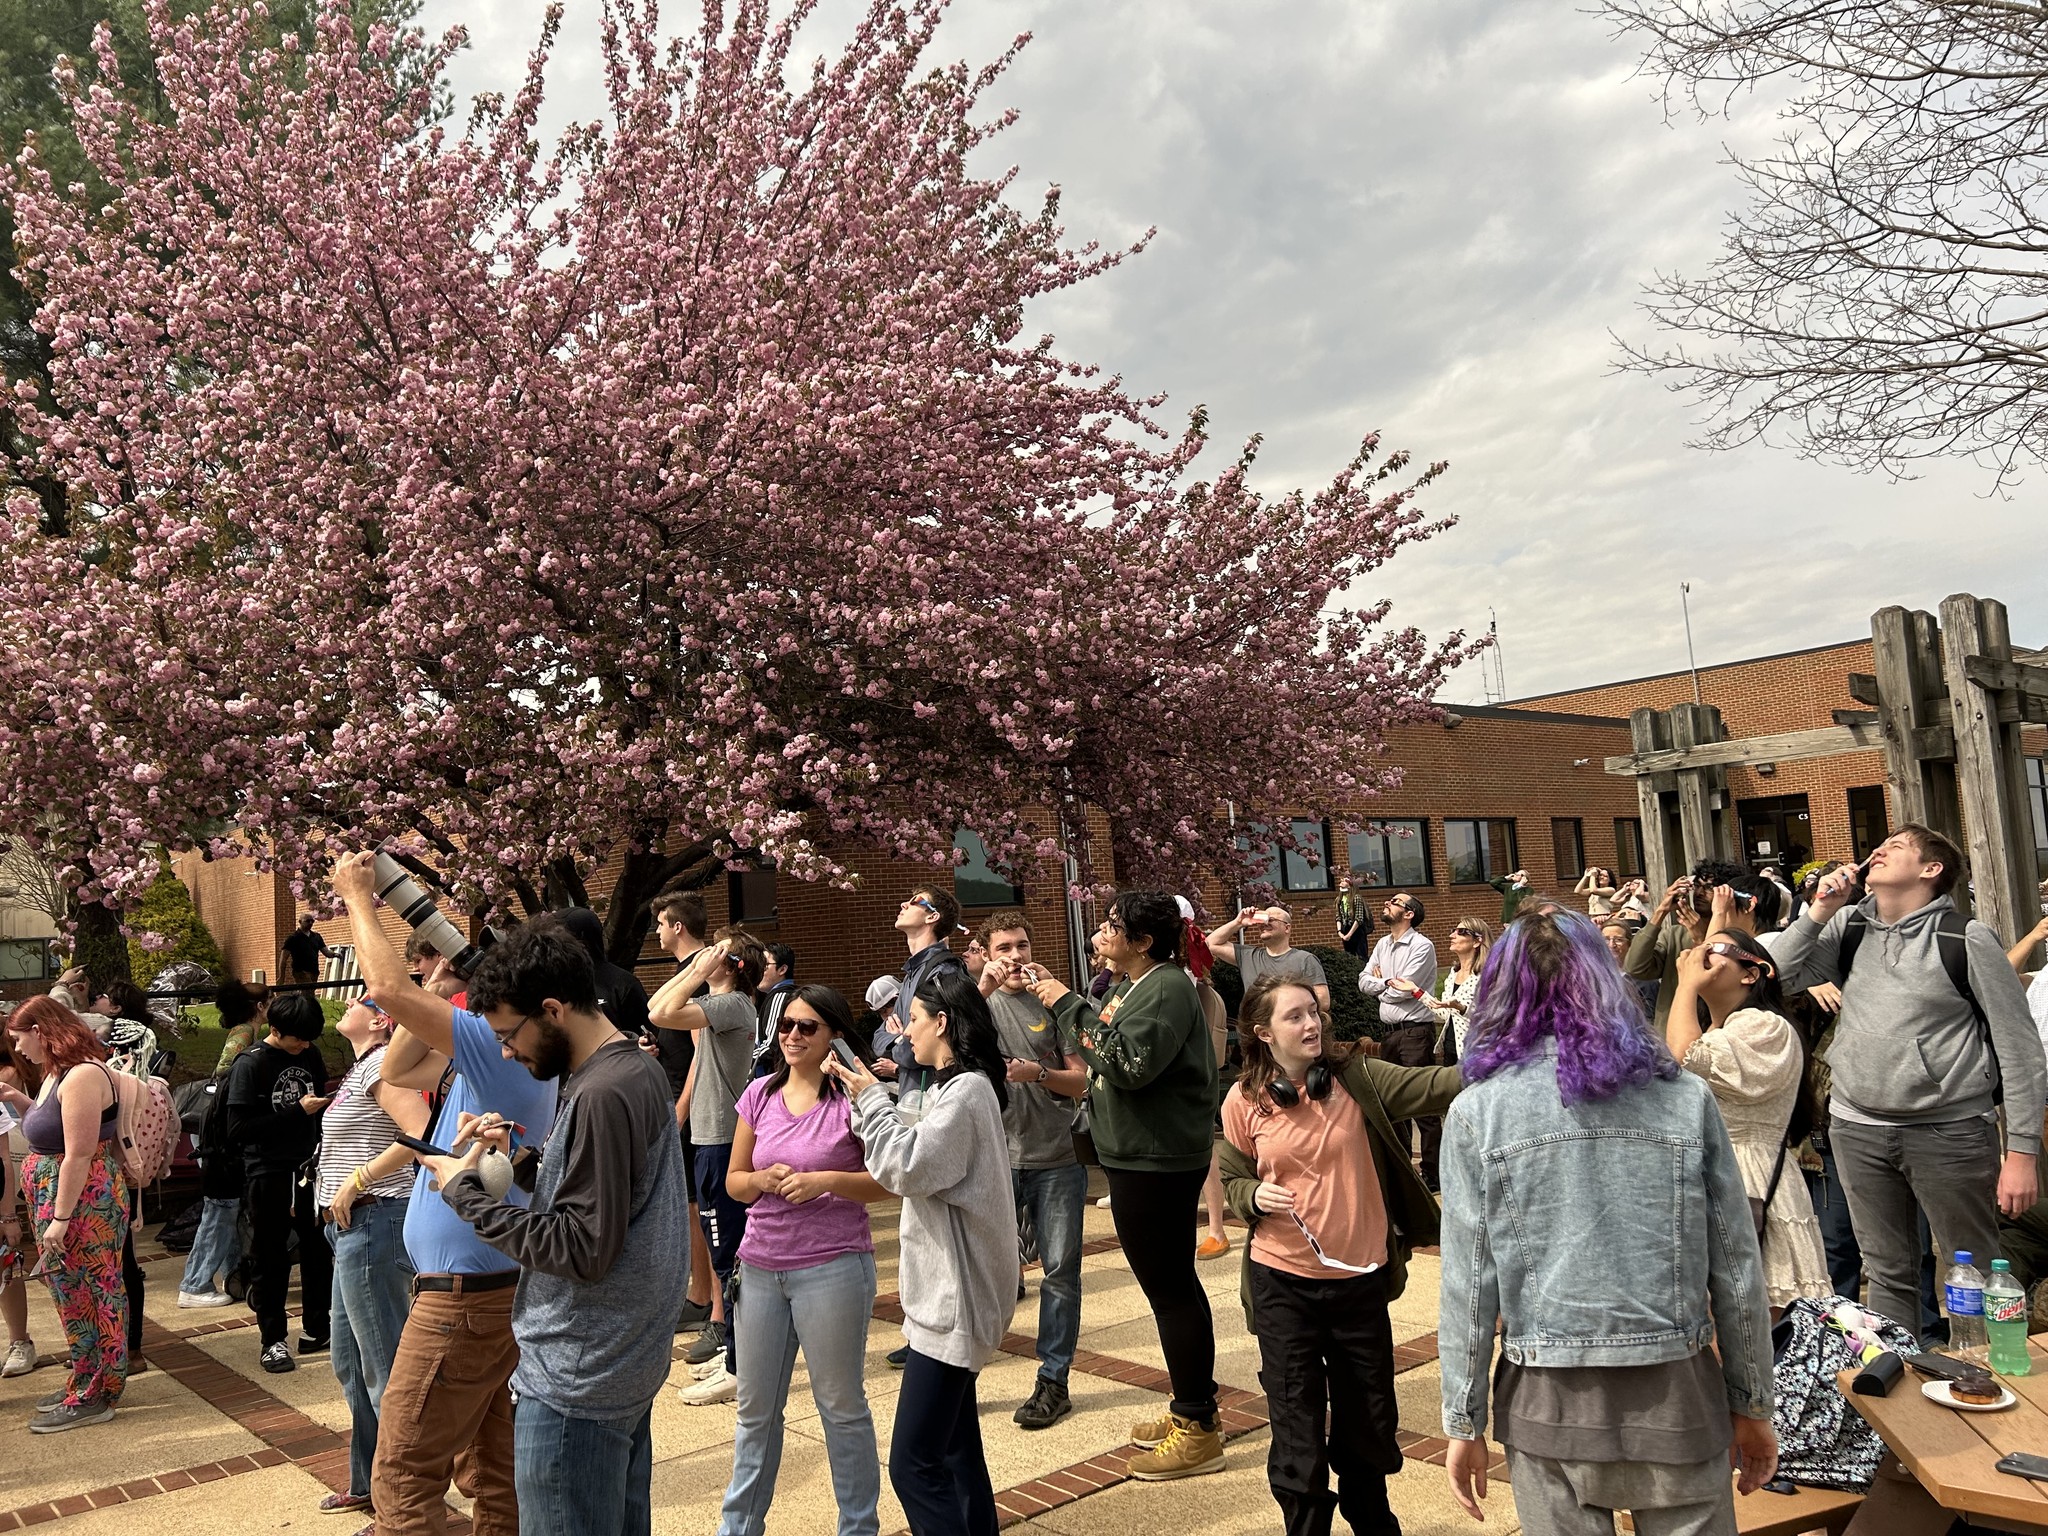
[[66, 1040]]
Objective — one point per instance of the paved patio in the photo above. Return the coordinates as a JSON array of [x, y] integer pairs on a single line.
[[206, 1442]]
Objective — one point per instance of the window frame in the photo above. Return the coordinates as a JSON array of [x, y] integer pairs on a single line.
[[1386, 843], [1014, 896], [1287, 858], [1578, 828], [736, 908], [1451, 859]]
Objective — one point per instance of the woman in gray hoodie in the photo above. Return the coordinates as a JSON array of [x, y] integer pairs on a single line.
[[957, 1263]]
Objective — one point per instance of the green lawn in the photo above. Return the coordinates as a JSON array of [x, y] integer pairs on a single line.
[[199, 1044]]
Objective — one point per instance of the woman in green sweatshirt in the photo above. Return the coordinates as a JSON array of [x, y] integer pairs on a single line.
[[1152, 1092]]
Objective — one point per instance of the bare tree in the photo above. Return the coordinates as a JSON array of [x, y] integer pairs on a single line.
[[26, 881], [1883, 297]]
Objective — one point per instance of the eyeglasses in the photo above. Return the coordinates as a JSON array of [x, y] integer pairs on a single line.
[[919, 901], [1323, 1258], [1112, 925], [804, 1027], [1742, 957], [506, 1037], [1470, 933]]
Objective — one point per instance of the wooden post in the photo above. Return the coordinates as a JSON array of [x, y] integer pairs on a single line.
[[1692, 726], [1643, 737], [2001, 888], [1892, 642]]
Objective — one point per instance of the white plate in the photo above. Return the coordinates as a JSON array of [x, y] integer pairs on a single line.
[[1938, 1391]]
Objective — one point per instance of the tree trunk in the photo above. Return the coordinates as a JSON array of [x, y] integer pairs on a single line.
[[98, 946], [562, 886], [648, 873]]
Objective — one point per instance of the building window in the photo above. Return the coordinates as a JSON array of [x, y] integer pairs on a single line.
[[975, 883], [1870, 823], [1391, 853], [2037, 797], [1308, 869], [1568, 846], [750, 894], [25, 959], [1628, 848], [1479, 850]]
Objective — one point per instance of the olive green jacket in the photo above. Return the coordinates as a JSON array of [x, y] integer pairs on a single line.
[[1385, 1094]]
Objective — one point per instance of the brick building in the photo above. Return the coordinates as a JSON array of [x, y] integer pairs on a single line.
[[1490, 790]]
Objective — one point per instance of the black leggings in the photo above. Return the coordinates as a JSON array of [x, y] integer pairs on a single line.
[[1155, 1222], [131, 1275], [936, 1464]]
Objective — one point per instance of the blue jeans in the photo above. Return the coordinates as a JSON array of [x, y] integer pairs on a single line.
[[825, 1308], [1056, 1197], [371, 1294], [582, 1477], [216, 1246]]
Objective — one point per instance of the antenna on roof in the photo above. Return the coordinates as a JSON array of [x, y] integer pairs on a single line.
[[1493, 676]]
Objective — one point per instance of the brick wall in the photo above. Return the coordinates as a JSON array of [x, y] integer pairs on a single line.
[[1797, 691]]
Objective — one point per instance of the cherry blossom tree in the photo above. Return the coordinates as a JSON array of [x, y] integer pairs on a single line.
[[691, 488]]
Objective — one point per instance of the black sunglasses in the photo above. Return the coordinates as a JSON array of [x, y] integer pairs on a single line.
[[804, 1027]]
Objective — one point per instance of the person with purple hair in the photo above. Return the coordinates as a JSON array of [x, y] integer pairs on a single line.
[[1593, 1204]]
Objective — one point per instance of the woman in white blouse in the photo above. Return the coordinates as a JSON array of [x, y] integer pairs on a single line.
[[1753, 1059], [1470, 941]]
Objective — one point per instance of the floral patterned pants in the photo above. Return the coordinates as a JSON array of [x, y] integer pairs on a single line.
[[85, 1279]]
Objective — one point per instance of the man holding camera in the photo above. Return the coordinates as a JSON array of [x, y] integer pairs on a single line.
[[1268, 950], [447, 1407]]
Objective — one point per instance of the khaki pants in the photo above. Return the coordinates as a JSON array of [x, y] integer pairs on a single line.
[[447, 1416]]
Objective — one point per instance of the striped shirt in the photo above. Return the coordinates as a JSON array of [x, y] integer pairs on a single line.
[[354, 1130]]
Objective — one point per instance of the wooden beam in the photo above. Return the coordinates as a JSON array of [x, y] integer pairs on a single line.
[[1644, 732], [1853, 716], [1785, 747], [1863, 689], [1970, 628], [2008, 676], [1691, 728]]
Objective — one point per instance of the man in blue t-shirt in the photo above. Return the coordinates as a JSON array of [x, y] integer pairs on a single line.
[[446, 1412]]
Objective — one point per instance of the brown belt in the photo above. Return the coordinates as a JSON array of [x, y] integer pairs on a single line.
[[460, 1285], [327, 1212]]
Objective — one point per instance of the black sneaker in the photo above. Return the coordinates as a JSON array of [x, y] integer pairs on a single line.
[[709, 1343], [277, 1358], [313, 1346], [899, 1358], [695, 1314], [1048, 1405]]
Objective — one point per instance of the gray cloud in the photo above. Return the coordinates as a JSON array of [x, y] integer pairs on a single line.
[[1427, 216]]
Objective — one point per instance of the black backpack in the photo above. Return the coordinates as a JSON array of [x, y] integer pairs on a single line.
[[1950, 932]]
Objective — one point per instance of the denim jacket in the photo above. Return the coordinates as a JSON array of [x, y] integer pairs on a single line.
[[1610, 1233]]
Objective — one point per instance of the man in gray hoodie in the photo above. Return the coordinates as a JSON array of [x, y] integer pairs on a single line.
[[1918, 1066]]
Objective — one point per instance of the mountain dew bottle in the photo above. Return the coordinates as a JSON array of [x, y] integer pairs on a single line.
[[2005, 1320]]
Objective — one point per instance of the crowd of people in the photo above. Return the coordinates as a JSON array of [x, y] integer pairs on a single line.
[[1638, 1132]]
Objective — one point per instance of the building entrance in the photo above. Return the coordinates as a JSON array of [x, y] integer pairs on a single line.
[[1777, 830]]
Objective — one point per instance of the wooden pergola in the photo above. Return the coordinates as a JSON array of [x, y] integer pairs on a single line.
[[1947, 704]]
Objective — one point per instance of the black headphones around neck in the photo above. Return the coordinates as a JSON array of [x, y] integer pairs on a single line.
[[1286, 1095]]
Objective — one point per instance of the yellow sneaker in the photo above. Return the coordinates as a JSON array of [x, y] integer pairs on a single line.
[[1150, 1432], [1187, 1451]]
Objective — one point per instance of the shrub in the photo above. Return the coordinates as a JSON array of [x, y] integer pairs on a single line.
[[167, 914], [1351, 1015]]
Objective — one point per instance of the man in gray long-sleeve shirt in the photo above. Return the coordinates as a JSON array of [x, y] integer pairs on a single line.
[[604, 1245], [1916, 1073]]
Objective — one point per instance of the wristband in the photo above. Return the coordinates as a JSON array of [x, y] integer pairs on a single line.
[[55, 1217], [362, 1181], [1043, 1069]]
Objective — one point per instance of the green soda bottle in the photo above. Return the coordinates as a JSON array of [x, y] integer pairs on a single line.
[[2005, 1320]]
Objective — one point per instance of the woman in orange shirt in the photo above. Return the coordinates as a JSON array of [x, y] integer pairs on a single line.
[[1311, 1162]]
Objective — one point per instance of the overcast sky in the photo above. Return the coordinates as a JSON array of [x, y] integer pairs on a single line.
[[1427, 217]]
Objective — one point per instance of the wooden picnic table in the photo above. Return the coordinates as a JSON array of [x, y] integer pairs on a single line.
[[1951, 1456]]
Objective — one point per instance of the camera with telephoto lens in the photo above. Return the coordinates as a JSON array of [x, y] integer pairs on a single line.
[[397, 889]]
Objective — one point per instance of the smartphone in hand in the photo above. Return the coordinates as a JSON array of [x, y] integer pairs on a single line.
[[845, 1054]]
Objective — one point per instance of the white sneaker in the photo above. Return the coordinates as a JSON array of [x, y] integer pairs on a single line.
[[21, 1358], [205, 1299], [722, 1387], [1103, 1203], [705, 1370]]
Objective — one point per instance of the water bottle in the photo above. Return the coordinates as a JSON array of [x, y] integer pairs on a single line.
[[2005, 1320], [1964, 1293]]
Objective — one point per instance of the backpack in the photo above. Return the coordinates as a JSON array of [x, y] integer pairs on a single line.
[[149, 1124], [1950, 939]]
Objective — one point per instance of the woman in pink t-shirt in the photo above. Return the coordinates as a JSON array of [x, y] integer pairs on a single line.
[[806, 1268], [1311, 1160]]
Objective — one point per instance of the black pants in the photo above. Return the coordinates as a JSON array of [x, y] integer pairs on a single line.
[[1410, 1045], [1328, 1342], [131, 1276], [936, 1463], [1155, 1222], [279, 1205]]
